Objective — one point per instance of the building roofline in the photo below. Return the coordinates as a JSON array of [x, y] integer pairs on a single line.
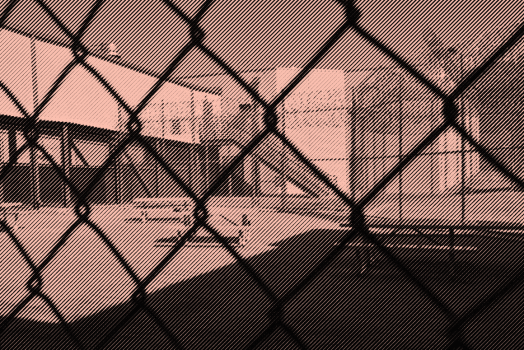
[[55, 127], [128, 66]]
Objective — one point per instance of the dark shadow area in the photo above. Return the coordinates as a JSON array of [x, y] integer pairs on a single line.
[[225, 309]]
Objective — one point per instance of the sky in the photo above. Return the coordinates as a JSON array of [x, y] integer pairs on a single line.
[[255, 36], [260, 35]]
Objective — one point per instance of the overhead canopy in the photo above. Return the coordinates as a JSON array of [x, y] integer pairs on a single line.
[[81, 98]]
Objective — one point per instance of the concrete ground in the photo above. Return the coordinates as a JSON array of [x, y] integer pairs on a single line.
[[226, 309], [209, 302], [85, 277]]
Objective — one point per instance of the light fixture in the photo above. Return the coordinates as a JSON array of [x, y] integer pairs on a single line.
[[112, 51], [109, 51]]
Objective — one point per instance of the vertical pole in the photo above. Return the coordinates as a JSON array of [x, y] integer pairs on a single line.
[[206, 181], [229, 184], [162, 119], [35, 174], [353, 161], [116, 141], [258, 125], [401, 130], [192, 126], [257, 188], [11, 136], [156, 170], [452, 261], [35, 183], [66, 161], [2, 184], [433, 163], [462, 154], [208, 132], [281, 179], [163, 143], [156, 166]]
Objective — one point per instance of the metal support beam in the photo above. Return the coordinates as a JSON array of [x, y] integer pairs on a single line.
[[206, 179], [66, 161], [11, 136], [400, 149], [193, 160], [118, 180], [117, 164], [452, 261], [137, 174], [35, 183], [193, 163], [78, 153], [351, 134], [156, 171], [35, 173], [462, 114], [11, 140]]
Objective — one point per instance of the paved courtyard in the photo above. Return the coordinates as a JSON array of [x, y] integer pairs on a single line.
[[85, 277], [209, 301]]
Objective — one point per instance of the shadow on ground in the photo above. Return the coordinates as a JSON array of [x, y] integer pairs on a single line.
[[226, 309]]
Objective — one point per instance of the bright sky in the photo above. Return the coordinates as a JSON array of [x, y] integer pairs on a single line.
[[255, 35], [252, 35]]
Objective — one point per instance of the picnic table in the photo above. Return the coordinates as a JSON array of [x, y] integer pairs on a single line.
[[179, 208], [367, 252], [235, 224], [235, 233]]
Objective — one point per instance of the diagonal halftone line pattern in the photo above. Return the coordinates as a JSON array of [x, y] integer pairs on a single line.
[[361, 226]]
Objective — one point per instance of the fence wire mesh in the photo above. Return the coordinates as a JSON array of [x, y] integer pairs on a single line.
[[397, 124]]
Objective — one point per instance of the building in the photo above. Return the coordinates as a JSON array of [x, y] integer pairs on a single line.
[[82, 124], [353, 126]]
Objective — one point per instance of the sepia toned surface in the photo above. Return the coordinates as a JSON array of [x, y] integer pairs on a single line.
[[275, 175]]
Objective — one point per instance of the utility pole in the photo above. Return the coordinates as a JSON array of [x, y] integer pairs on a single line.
[[110, 52], [35, 174]]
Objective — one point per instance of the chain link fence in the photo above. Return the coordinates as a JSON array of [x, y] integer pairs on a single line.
[[409, 158]]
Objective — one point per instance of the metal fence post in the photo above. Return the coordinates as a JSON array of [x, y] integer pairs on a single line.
[[452, 267], [283, 157], [462, 117], [193, 130], [400, 147], [352, 139], [117, 168], [66, 160]]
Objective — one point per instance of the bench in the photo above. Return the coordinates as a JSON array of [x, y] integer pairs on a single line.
[[204, 241], [163, 208], [11, 209], [366, 252], [237, 234]]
